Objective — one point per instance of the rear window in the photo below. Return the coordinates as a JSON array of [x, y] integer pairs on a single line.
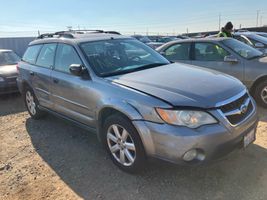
[[31, 54]]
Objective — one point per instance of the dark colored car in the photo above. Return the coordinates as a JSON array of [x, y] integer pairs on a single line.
[[8, 71]]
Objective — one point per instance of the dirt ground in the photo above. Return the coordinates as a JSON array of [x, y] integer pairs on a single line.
[[53, 159]]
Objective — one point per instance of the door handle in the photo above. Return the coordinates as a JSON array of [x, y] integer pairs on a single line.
[[31, 73], [55, 80]]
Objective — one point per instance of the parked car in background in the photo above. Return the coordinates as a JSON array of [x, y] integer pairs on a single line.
[[166, 39], [147, 41], [262, 34], [253, 39], [226, 55], [139, 105], [8, 71], [183, 37]]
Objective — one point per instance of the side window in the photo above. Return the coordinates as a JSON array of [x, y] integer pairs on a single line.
[[66, 56], [31, 54], [209, 52], [178, 52], [46, 56]]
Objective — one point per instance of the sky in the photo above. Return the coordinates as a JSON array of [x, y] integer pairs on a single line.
[[26, 17]]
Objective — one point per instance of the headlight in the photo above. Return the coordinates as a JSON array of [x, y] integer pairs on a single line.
[[2, 79], [188, 118]]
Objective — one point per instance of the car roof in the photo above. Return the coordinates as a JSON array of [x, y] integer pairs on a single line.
[[79, 38], [217, 39]]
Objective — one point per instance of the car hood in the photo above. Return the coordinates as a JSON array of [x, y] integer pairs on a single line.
[[183, 85], [8, 70]]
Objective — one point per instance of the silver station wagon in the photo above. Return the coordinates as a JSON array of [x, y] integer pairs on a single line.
[[138, 103]]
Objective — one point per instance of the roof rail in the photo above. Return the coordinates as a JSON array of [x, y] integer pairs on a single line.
[[59, 34], [69, 34]]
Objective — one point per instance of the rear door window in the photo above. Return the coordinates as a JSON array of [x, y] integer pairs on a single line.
[[46, 56], [31, 54], [178, 52]]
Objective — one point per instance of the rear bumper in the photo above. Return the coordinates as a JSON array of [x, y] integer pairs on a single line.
[[170, 143]]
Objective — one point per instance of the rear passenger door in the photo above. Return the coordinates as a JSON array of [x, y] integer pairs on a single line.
[[71, 94], [178, 52], [211, 55], [40, 74]]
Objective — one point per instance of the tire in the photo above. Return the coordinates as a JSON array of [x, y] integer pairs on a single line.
[[260, 94], [32, 104], [121, 136]]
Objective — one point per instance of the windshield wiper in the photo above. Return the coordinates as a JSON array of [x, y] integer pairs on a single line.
[[119, 72]]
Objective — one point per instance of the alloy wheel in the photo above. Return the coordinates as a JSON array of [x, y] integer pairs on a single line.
[[30, 103], [264, 94], [121, 145]]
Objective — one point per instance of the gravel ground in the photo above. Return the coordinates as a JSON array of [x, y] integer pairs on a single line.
[[53, 159]]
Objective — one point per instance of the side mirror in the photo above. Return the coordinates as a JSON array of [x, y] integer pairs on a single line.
[[230, 59], [259, 45], [76, 69]]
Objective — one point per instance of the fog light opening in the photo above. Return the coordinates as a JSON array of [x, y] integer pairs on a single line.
[[194, 154], [190, 155]]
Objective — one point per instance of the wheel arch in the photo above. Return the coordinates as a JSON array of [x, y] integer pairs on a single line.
[[257, 82], [124, 109]]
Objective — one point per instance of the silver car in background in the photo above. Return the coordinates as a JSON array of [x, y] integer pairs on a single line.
[[254, 39], [225, 55], [8, 71], [137, 102]]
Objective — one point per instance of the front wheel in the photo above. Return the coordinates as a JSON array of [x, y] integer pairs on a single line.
[[123, 144], [32, 104], [261, 94]]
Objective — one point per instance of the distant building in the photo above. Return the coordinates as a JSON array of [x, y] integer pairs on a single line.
[[17, 44]]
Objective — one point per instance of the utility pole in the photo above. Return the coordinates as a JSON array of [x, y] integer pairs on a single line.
[[261, 21], [220, 21], [258, 13]]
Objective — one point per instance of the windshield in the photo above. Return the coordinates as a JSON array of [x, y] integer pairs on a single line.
[[242, 49], [112, 57], [8, 58]]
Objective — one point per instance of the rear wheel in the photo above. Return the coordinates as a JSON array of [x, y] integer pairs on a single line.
[[261, 94], [123, 144], [32, 104]]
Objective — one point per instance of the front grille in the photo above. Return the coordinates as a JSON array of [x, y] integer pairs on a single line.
[[238, 110]]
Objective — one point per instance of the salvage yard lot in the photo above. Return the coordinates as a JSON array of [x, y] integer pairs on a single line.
[[53, 159]]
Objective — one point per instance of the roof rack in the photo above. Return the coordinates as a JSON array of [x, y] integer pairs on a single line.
[[70, 33]]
